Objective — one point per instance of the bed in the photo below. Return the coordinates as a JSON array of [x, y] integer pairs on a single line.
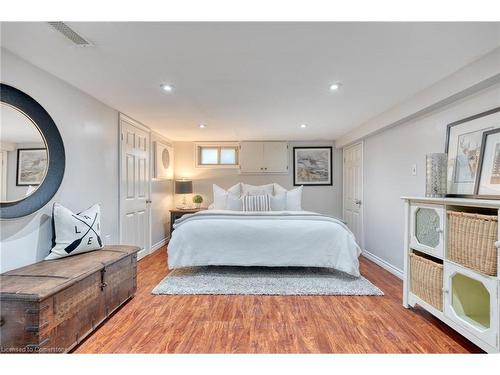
[[271, 239]]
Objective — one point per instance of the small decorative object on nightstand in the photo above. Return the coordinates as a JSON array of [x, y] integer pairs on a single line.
[[198, 200], [178, 213]]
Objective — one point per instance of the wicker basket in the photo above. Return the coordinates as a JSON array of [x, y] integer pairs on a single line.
[[471, 241], [427, 280]]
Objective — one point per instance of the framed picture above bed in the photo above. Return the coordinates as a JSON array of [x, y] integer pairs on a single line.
[[463, 146], [312, 166]]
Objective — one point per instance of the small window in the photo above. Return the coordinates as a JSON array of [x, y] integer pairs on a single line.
[[217, 155]]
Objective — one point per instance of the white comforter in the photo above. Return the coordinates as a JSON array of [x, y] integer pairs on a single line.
[[276, 238]]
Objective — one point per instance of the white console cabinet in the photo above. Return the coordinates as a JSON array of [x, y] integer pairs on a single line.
[[470, 299]]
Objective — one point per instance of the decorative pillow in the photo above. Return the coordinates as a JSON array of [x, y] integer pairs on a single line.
[[278, 189], [293, 198], [75, 233], [226, 199], [278, 202], [256, 202], [257, 190]]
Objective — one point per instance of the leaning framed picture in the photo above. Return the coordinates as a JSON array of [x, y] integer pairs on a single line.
[[463, 146], [488, 180], [31, 166], [312, 166]]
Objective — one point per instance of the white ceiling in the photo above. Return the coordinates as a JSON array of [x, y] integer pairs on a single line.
[[253, 80]]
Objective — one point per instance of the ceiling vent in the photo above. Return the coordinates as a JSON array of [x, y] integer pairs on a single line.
[[70, 34]]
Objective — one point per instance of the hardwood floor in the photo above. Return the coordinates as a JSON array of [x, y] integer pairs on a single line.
[[271, 324]]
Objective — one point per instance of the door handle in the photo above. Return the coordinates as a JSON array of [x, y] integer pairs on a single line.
[[357, 201], [149, 201]]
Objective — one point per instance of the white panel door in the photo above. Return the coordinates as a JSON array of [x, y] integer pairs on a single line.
[[134, 190], [353, 190], [251, 157], [275, 157]]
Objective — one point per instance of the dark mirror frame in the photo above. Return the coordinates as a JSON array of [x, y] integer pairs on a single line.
[[55, 150]]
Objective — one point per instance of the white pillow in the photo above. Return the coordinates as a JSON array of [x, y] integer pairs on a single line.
[[226, 199], [257, 190], [75, 233], [278, 202], [293, 198], [235, 190], [278, 189]]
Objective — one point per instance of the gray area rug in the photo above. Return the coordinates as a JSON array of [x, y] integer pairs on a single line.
[[293, 281]]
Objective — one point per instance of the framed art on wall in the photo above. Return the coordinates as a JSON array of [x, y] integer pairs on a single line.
[[312, 166], [488, 181], [31, 166], [463, 146]]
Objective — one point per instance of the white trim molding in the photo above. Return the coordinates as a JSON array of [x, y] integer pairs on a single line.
[[384, 264], [159, 245]]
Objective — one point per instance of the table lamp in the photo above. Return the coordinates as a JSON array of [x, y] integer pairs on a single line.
[[183, 187]]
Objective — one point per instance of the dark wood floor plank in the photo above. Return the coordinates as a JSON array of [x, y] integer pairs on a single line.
[[271, 324]]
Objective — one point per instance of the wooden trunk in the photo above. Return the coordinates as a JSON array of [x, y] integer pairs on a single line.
[[51, 306]]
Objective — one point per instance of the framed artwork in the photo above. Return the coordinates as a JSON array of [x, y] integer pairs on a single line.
[[312, 166], [488, 181], [163, 161], [463, 146], [31, 166]]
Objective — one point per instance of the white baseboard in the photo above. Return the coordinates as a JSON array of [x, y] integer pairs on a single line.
[[141, 254], [384, 264], [159, 245]]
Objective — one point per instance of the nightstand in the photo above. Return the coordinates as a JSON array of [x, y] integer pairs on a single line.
[[177, 213]]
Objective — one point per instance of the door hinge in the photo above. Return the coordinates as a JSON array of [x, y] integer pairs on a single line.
[[122, 136]]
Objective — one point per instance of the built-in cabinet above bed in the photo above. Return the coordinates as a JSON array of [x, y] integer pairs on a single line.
[[263, 157]]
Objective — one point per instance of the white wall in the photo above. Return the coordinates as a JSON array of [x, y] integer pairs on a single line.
[[324, 199], [90, 131], [388, 157], [162, 197]]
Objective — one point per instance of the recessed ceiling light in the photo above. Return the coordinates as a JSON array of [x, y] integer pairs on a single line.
[[303, 126], [167, 87], [202, 126], [335, 86]]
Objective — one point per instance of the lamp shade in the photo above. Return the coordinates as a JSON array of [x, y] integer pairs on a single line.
[[183, 187]]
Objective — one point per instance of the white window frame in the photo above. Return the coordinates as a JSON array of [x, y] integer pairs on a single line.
[[219, 145]]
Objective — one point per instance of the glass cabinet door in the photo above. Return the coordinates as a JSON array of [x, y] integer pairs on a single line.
[[426, 233], [470, 301]]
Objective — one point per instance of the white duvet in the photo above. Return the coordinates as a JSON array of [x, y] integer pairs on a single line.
[[272, 239]]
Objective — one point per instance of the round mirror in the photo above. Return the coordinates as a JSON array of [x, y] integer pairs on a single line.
[[165, 158], [32, 154], [23, 155]]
